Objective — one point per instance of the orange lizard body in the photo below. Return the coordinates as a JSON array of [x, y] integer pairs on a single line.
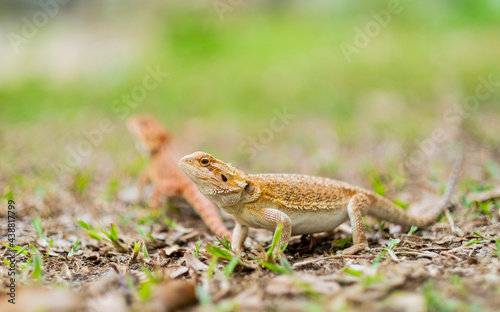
[[302, 204], [164, 173]]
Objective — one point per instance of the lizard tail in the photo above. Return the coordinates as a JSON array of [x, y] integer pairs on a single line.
[[207, 210], [388, 211]]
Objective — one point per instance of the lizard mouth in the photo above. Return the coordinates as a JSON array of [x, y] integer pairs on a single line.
[[187, 169], [206, 184], [186, 165]]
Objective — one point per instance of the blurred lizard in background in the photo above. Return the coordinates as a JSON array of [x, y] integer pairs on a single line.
[[163, 172], [303, 204]]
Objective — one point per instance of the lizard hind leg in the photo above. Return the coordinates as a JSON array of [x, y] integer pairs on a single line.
[[357, 207]]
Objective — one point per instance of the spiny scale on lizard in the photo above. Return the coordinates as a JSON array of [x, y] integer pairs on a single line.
[[303, 192]]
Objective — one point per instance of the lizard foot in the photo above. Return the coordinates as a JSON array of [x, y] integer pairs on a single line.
[[354, 249]]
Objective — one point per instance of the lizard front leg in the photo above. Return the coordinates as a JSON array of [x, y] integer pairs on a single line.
[[240, 233], [357, 207]]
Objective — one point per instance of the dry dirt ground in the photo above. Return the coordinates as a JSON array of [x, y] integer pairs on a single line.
[[451, 266]]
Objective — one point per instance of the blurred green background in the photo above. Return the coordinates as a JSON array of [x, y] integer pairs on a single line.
[[228, 72]]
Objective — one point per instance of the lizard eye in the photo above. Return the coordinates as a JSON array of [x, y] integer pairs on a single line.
[[223, 178], [204, 161]]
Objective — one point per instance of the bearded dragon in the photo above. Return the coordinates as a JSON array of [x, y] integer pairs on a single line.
[[153, 139], [302, 204]]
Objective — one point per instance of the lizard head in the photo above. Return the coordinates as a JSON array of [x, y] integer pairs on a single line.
[[216, 179], [148, 132]]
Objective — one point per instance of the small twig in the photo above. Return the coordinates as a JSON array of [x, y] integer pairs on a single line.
[[453, 228], [435, 248], [492, 225], [460, 248], [393, 255], [484, 196], [470, 253], [452, 256], [415, 253], [457, 249], [248, 264], [299, 264]]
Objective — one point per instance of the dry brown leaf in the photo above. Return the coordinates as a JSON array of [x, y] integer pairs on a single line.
[[93, 256], [172, 249], [194, 263], [175, 271]]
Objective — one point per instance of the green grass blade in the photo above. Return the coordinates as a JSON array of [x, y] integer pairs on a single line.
[[84, 225], [218, 252], [108, 235], [114, 231], [95, 236], [37, 224], [232, 265], [276, 239], [38, 268], [412, 230], [353, 272]]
